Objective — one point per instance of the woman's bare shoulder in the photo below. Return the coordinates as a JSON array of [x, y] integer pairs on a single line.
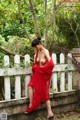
[[46, 51]]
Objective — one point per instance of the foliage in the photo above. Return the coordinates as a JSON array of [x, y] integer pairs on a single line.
[[12, 22], [19, 45], [2, 41], [69, 26], [13, 28]]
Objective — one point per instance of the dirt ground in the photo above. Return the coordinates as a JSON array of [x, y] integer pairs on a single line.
[[74, 115], [68, 116]]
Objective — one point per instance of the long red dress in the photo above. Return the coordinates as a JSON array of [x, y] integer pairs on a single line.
[[40, 82]]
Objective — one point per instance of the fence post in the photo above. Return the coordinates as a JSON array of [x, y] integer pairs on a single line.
[[54, 75], [69, 73], [17, 78], [7, 79], [76, 75], [62, 76], [27, 77]]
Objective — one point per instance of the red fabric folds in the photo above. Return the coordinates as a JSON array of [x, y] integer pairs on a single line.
[[40, 82]]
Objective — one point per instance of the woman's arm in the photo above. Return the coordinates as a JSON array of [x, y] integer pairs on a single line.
[[35, 58], [47, 55]]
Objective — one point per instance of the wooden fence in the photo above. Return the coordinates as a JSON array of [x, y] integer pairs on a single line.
[[61, 75]]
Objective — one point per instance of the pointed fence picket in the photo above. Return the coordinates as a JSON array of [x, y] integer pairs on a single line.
[[17, 78], [69, 73], [59, 81], [7, 79], [27, 77], [58, 75], [54, 75], [62, 76]]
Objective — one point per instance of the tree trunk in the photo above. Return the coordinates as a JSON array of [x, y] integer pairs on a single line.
[[54, 27], [36, 27], [46, 23]]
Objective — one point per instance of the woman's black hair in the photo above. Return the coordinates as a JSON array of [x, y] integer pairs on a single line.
[[36, 41]]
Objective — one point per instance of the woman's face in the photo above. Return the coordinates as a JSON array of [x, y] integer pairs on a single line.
[[37, 47]]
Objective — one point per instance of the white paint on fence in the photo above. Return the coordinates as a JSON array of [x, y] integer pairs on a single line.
[[54, 75], [27, 77], [62, 76], [17, 78], [7, 79], [17, 71], [69, 73]]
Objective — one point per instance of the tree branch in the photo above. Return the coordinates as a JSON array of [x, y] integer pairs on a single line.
[[75, 33], [54, 20], [36, 27], [21, 17], [54, 25], [46, 22], [3, 50]]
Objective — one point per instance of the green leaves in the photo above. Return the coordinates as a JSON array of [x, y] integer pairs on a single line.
[[2, 41], [11, 23]]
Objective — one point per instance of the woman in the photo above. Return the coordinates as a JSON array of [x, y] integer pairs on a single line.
[[40, 81]]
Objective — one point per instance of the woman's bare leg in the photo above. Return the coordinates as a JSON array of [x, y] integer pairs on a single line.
[[30, 95], [50, 113]]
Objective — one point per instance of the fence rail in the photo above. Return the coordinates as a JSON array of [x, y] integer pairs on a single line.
[[62, 74]]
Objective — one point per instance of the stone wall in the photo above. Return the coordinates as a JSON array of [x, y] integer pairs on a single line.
[[60, 102]]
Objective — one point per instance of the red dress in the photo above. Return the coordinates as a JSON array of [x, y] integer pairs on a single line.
[[40, 82]]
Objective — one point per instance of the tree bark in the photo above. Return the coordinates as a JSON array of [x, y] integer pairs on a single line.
[[46, 23], [75, 33], [54, 25], [54, 20], [3, 50], [36, 27]]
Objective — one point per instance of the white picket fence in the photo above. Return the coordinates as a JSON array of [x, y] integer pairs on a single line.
[[62, 73]]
